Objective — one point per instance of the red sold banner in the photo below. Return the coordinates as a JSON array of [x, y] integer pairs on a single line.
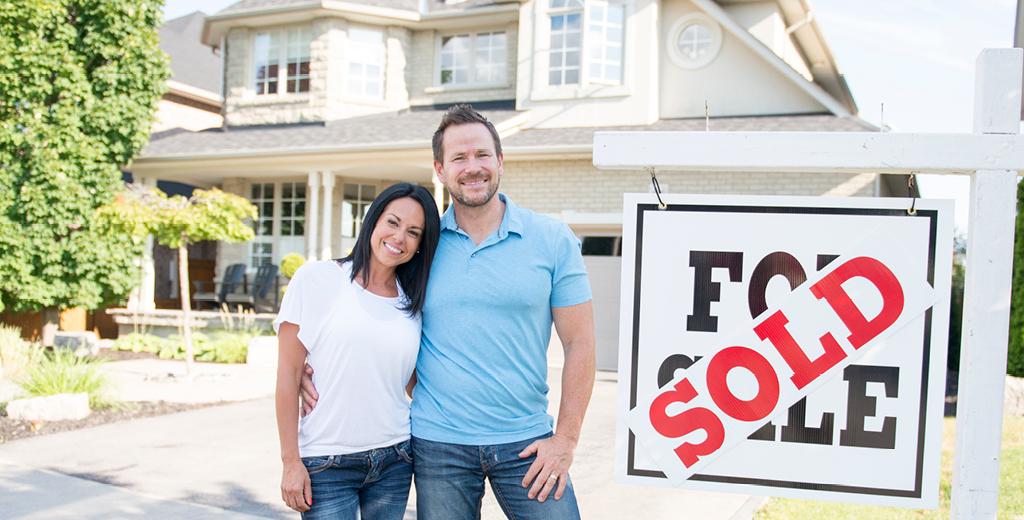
[[804, 340]]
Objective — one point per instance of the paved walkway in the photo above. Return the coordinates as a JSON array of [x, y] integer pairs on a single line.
[[223, 461]]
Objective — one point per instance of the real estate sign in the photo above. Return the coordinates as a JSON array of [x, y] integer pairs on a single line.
[[790, 346]]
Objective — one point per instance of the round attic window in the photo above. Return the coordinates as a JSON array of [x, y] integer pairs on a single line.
[[694, 41]]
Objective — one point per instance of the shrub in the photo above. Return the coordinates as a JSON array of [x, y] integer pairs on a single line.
[[62, 372], [217, 347], [1015, 355], [291, 263], [14, 351]]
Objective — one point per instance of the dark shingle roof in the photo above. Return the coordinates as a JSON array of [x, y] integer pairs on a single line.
[[394, 127], [417, 126], [192, 63], [794, 123]]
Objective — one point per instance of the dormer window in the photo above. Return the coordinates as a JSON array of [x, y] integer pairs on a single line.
[[281, 57], [599, 52], [473, 59]]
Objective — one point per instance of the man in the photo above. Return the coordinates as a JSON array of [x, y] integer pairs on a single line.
[[501, 276]]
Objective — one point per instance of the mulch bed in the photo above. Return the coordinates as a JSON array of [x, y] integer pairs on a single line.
[[11, 429]]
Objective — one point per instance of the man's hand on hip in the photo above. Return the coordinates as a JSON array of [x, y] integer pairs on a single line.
[[550, 470], [307, 392]]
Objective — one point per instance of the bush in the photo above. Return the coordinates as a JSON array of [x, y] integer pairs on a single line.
[[62, 372], [216, 347], [14, 351], [291, 263], [1015, 355]]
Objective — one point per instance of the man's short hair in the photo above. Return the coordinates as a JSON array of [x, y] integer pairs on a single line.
[[461, 114]]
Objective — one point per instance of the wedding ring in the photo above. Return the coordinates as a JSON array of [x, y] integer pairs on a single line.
[[552, 477]]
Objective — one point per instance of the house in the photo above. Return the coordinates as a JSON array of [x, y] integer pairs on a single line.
[[326, 103]]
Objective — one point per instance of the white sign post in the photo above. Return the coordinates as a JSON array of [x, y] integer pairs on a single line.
[[992, 156]]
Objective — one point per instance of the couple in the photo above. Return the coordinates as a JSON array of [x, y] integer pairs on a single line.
[[476, 336]]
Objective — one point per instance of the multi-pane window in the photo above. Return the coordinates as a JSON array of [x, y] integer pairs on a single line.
[[293, 209], [479, 58], [455, 55], [596, 27], [604, 42], [366, 59], [566, 41], [262, 247], [354, 205], [281, 56], [694, 41]]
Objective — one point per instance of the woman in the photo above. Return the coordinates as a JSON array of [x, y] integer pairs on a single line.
[[357, 322]]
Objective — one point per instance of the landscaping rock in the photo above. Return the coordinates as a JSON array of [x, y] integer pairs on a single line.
[[60, 407], [1013, 396], [262, 351], [81, 343]]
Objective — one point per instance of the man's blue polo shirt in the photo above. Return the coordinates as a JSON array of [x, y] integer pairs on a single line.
[[482, 366]]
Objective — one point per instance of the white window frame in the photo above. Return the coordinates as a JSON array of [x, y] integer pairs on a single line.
[[283, 48], [354, 51], [588, 86], [472, 83], [276, 238], [676, 31], [589, 45]]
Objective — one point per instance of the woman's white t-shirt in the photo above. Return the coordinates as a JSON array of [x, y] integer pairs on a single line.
[[362, 348]]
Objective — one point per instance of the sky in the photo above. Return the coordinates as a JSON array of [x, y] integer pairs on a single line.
[[914, 56]]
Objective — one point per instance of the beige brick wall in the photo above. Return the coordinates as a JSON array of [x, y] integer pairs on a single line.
[[554, 186], [421, 74]]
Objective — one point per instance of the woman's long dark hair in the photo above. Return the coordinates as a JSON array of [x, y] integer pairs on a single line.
[[414, 273]]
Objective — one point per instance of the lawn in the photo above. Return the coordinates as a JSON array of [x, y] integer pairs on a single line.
[[1011, 486]]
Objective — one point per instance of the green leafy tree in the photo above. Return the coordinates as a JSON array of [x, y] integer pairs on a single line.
[[177, 222], [79, 85], [1015, 356]]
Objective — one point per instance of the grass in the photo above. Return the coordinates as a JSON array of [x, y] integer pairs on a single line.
[[62, 372], [1011, 489]]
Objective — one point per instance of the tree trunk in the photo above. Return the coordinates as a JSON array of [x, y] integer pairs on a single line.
[[50, 318], [186, 305]]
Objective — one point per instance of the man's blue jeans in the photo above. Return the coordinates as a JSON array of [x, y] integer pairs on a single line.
[[373, 482], [450, 482]]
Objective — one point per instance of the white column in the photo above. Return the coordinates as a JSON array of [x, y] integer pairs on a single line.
[[438, 194], [326, 236], [979, 414], [312, 208], [143, 298]]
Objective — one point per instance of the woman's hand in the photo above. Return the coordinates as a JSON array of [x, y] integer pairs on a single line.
[[295, 488]]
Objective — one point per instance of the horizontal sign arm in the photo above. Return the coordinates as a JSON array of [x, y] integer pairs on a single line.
[[839, 152]]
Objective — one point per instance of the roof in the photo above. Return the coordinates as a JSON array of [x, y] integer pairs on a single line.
[[408, 5], [192, 63], [414, 129], [787, 123]]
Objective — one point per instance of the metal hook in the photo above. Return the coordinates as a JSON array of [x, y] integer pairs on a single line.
[[657, 187], [910, 193], [707, 117]]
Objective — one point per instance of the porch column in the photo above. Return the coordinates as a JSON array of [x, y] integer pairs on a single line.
[[325, 236], [312, 208], [143, 297], [438, 194]]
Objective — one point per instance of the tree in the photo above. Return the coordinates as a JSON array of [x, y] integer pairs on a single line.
[[177, 222], [79, 85], [1015, 355]]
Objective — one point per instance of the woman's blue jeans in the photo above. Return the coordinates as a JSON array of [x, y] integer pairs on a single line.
[[373, 484], [450, 482]]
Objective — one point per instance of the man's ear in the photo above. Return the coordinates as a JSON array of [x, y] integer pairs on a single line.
[[439, 171]]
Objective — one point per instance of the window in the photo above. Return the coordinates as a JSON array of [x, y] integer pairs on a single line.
[[293, 209], [603, 41], [468, 59], [262, 246], [281, 225], [366, 59], [354, 205], [602, 246], [281, 56], [694, 41]]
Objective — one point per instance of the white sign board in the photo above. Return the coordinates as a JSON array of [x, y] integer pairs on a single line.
[[788, 346]]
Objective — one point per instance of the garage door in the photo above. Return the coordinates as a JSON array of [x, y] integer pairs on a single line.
[[604, 274]]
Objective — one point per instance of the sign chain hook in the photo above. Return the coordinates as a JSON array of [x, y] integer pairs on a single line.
[[657, 187]]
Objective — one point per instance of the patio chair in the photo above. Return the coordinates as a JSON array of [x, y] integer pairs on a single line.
[[258, 296], [218, 292]]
